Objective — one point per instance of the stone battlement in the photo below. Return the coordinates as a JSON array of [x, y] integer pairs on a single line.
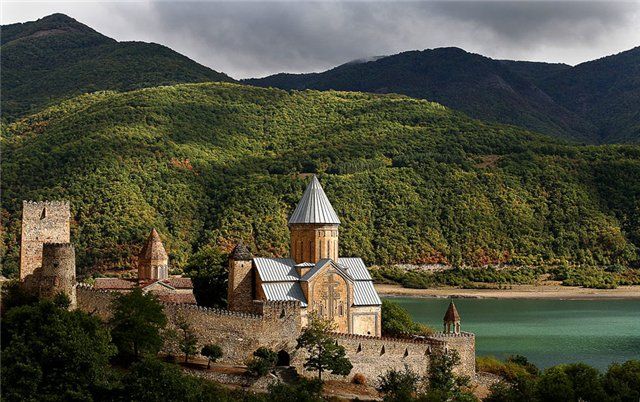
[[453, 335], [425, 341], [46, 203]]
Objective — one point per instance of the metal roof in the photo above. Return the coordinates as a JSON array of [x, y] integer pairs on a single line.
[[276, 269], [284, 291], [356, 268], [314, 207], [319, 265], [364, 294]]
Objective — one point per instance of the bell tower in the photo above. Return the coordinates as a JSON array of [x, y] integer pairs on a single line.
[[452, 320], [314, 227]]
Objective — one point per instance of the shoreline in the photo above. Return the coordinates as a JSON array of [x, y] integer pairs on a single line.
[[540, 292]]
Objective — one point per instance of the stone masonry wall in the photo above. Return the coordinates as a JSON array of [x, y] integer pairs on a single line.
[[239, 334], [372, 356], [42, 222], [465, 344], [277, 325]]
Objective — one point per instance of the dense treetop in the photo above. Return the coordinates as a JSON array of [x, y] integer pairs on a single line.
[[593, 102], [412, 181], [57, 57]]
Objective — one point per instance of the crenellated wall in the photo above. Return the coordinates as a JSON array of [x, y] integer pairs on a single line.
[[276, 325]]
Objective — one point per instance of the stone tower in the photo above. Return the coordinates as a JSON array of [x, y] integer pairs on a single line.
[[58, 274], [42, 222], [240, 290], [451, 320], [314, 227], [153, 261]]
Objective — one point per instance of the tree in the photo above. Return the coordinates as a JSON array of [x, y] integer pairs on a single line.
[[441, 379], [49, 353], [622, 381], [212, 353], [188, 340], [397, 322], [136, 324], [555, 385], [264, 359], [303, 390], [153, 380], [323, 350], [209, 275], [399, 386]]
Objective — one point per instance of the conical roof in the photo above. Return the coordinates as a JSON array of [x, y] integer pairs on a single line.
[[452, 314], [153, 248], [241, 253], [314, 207]]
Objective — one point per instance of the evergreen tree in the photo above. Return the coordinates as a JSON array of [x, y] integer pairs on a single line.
[[212, 353], [188, 341], [324, 353], [137, 322], [49, 353]]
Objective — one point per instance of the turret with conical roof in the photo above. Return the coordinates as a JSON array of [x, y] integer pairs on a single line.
[[240, 288], [153, 261], [314, 226], [452, 320]]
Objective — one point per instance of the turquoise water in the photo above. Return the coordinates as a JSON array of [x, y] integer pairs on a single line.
[[548, 332]]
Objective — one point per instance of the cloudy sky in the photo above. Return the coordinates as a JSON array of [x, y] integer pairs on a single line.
[[257, 38]]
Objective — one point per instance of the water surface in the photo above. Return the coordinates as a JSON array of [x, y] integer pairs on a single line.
[[548, 332]]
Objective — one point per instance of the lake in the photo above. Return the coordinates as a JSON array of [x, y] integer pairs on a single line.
[[547, 332]]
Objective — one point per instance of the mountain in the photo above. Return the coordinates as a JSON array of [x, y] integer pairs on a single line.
[[57, 57], [412, 181], [605, 91], [587, 103]]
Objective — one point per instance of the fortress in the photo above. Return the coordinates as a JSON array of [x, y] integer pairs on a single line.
[[269, 299]]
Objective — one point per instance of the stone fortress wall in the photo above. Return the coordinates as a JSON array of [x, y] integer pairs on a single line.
[[276, 325]]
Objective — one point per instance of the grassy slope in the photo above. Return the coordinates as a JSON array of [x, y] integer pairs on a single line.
[[411, 180], [57, 57]]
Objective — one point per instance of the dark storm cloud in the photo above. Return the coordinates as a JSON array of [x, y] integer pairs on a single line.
[[247, 39]]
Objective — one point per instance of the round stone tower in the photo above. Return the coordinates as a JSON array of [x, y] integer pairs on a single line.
[[240, 289], [58, 272]]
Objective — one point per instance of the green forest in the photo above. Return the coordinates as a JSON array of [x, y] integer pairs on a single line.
[[412, 181]]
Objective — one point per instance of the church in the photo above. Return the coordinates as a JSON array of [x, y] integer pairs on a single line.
[[337, 288]]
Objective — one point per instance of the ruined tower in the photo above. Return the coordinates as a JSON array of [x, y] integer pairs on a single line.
[[153, 261], [451, 320], [58, 274], [240, 290], [42, 222], [314, 227]]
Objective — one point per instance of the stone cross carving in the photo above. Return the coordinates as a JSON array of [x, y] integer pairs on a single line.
[[331, 295]]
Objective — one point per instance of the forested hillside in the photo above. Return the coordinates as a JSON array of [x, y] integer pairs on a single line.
[[594, 102], [210, 164], [605, 91], [57, 57]]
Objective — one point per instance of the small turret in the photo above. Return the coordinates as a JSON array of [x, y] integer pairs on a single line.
[[153, 261], [240, 288], [452, 320]]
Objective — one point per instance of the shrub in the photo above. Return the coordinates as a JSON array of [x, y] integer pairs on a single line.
[[359, 378], [264, 359]]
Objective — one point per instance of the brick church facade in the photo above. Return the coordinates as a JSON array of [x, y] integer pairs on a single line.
[[337, 288]]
